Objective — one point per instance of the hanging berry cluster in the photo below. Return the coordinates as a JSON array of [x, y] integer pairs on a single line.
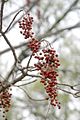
[[5, 100], [47, 65], [26, 25], [48, 61]]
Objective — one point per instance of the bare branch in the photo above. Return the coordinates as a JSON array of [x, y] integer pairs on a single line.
[[33, 4], [15, 11], [49, 34], [11, 47], [26, 83], [15, 47], [12, 21], [62, 17], [1, 13], [30, 96], [18, 79], [29, 61]]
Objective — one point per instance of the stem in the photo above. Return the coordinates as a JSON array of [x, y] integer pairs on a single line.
[[1, 13], [11, 47], [12, 21]]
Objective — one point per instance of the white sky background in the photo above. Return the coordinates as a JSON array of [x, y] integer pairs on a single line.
[[16, 38]]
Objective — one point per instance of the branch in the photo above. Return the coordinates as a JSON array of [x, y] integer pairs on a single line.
[[68, 70], [76, 91], [20, 8], [66, 91], [11, 47], [13, 82], [12, 21], [77, 25], [29, 61], [63, 84], [1, 13], [15, 47], [33, 4], [62, 17], [18, 79], [26, 83], [30, 96], [10, 72], [7, 16], [49, 33]]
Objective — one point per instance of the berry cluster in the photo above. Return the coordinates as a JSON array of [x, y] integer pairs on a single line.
[[34, 45], [26, 25], [47, 65], [5, 100], [48, 61]]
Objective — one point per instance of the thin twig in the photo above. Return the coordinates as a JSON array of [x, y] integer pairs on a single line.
[[1, 14], [11, 47], [31, 97], [47, 111], [15, 11], [12, 21], [65, 13], [26, 83], [49, 34], [13, 82], [70, 86], [15, 47], [29, 61], [65, 91], [10, 72], [33, 4]]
